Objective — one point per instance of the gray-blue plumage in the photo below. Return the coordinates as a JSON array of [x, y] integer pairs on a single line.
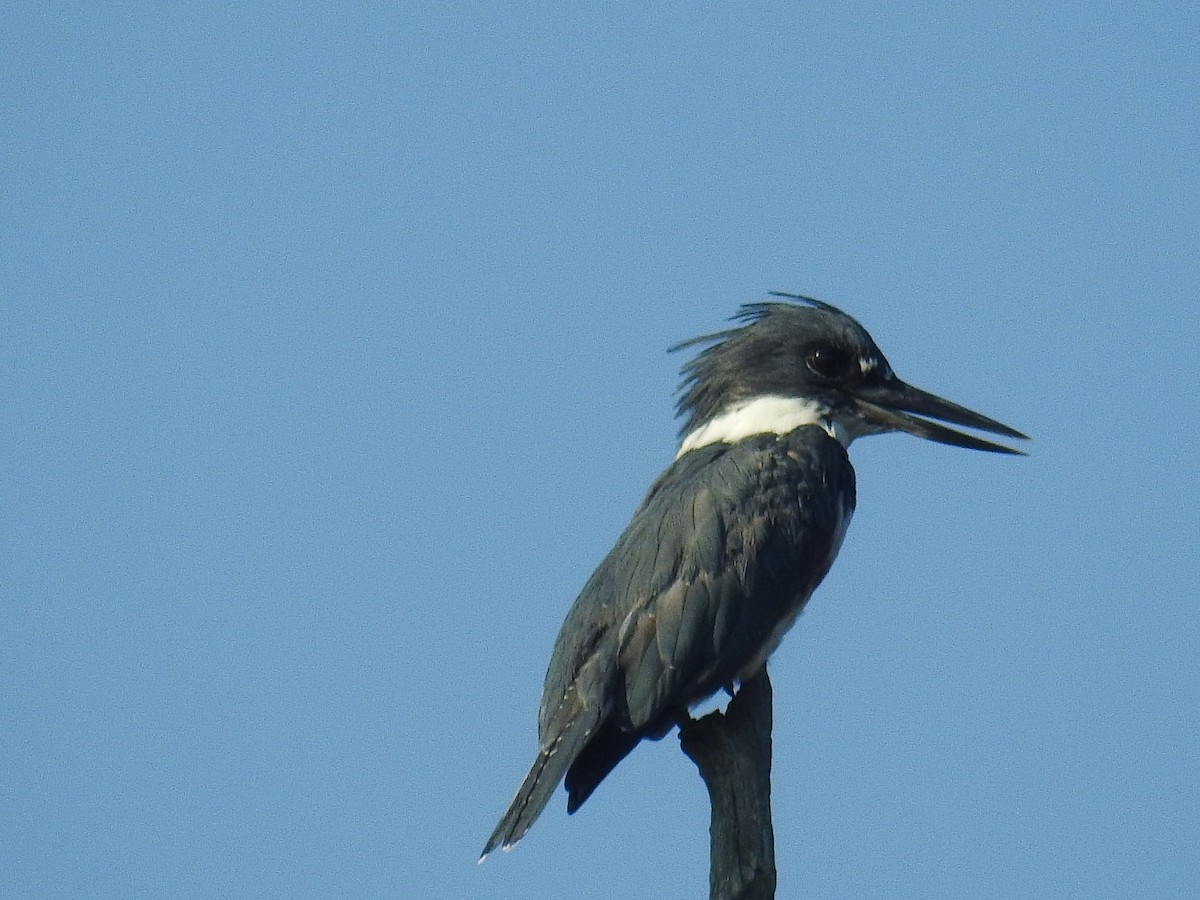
[[729, 542]]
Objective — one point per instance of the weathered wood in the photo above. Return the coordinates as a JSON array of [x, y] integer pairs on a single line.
[[733, 753]]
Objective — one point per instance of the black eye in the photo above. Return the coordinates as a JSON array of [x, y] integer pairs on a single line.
[[829, 362]]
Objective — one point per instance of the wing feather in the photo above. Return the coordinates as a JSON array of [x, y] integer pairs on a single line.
[[723, 551]]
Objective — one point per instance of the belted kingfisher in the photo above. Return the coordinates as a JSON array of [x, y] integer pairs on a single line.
[[730, 541]]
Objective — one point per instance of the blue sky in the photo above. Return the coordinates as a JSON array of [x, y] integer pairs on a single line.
[[333, 347]]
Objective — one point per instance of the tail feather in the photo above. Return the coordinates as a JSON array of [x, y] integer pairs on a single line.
[[544, 776], [607, 747]]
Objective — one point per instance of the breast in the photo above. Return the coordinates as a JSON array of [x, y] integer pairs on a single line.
[[813, 572]]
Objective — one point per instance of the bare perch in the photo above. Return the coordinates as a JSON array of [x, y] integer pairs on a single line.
[[733, 753]]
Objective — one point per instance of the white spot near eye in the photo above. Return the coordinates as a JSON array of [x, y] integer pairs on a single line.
[[868, 364]]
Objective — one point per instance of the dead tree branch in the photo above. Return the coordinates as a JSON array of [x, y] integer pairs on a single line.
[[733, 753]]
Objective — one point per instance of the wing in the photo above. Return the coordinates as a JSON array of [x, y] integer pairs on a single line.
[[715, 563], [713, 568], [741, 538]]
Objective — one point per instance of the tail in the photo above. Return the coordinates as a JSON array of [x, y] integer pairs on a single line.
[[544, 776], [608, 746]]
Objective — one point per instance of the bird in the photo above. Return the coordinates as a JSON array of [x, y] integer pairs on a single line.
[[729, 542]]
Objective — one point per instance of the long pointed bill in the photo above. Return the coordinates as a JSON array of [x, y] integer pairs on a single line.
[[888, 406]]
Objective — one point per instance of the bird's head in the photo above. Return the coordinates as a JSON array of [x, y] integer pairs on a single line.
[[807, 362]]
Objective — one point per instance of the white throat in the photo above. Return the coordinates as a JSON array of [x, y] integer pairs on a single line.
[[762, 415]]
